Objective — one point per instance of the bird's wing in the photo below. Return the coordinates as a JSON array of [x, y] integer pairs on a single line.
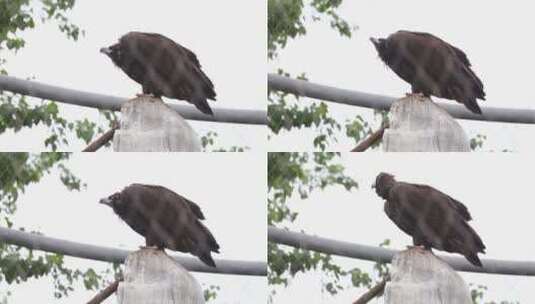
[[458, 52], [192, 57], [418, 58], [176, 198], [403, 219], [442, 198], [177, 48], [169, 68], [195, 68], [446, 68], [441, 220], [428, 215], [165, 64], [193, 207]]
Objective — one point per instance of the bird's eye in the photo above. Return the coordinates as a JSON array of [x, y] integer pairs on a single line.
[[116, 51]]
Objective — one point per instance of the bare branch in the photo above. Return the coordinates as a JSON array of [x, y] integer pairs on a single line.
[[375, 291], [104, 294], [102, 140], [370, 140]]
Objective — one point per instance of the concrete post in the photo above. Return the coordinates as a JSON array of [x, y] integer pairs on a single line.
[[152, 277], [148, 125], [419, 125], [419, 277]]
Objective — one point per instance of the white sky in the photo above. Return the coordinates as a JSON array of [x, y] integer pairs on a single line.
[[229, 187], [494, 187], [228, 38], [494, 35]]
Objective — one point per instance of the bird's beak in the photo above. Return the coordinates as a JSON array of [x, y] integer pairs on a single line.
[[105, 201], [105, 50]]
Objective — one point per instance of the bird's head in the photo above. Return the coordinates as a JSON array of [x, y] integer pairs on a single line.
[[380, 44], [383, 184], [114, 201], [113, 51]]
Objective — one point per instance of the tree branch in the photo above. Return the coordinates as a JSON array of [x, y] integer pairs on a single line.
[[102, 140], [104, 294], [370, 140], [375, 291]]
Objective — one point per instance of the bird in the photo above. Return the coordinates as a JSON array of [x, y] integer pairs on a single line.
[[165, 218], [432, 67], [163, 68], [433, 219]]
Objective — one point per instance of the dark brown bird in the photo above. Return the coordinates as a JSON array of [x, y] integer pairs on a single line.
[[432, 218], [165, 219], [432, 67], [163, 68]]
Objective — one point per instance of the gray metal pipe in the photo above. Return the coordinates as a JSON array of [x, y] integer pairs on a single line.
[[360, 99], [106, 102], [107, 254], [378, 254]]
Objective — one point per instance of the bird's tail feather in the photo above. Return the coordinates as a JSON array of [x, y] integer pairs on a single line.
[[201, 103], [211, 243], [474, 90], [472, 105], [474, 259], [205, 243], [206, 257]]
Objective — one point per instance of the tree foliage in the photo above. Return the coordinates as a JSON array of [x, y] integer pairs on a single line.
[[18, 112], [292, 175], [18, 171], [287, 20], [208, 143]]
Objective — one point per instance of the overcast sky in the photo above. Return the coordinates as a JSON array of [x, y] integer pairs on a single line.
[[495, 188], [228, 38], [229, 187], [494, 34]]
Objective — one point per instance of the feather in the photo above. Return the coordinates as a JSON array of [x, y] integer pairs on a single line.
[[432, 218], [432, 67], [163, 68], [165, 218]]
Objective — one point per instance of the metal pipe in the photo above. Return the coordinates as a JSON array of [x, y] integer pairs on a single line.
[[113, 255], [383, 255], [106, 102], [360, 99]]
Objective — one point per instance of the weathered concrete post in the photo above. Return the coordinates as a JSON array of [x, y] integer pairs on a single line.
[[419, 125], [148, 125], [419, 277], [152, 277]]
